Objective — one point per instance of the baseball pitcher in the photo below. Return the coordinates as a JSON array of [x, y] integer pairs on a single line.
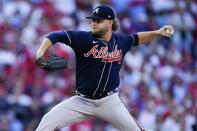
[[99, 56]]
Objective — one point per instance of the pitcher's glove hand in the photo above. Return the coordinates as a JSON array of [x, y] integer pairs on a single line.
[[50, 63]]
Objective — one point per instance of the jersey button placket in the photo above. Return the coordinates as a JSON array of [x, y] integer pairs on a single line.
[[112, 48], [102, 71], [106, 45]]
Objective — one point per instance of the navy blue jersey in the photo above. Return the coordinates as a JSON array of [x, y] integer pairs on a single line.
[[97, 63]]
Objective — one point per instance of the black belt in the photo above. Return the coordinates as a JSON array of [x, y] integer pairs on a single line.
[[104, 94]]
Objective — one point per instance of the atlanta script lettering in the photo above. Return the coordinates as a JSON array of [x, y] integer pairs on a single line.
[[106, 56]]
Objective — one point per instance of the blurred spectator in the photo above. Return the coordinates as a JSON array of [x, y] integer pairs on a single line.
[[147, 118]]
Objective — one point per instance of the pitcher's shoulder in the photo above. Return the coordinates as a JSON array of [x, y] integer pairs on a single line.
[[125, 36], [121, 36], [83, 33]]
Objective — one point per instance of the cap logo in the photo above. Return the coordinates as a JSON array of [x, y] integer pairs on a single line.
[[109, 16], [96, 10]]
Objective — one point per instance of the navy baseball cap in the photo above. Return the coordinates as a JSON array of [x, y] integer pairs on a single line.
[[102, 12]]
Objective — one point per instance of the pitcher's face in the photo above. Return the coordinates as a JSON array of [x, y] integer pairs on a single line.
[[100, 27]]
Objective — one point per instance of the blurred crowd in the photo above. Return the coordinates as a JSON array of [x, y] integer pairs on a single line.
[[158, 79]]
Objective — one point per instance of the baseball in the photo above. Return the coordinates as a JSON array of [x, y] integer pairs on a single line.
[[170, 32]]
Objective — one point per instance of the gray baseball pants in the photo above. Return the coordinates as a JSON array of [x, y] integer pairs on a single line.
[[77, 109]]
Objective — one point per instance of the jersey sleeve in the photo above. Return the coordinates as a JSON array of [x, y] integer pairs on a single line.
[[129, 41], [66, 37], [133, 40]]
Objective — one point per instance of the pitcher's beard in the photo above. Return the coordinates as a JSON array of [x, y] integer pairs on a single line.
[[100, 34]]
